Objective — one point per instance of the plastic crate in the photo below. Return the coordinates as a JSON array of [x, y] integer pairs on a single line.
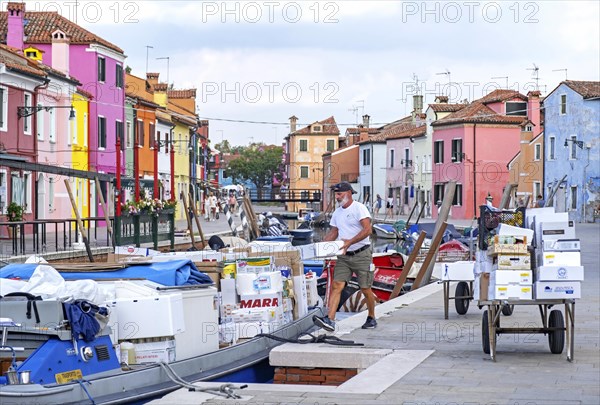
[[489, 221]]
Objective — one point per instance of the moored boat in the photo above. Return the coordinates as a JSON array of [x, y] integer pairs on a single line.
[[385, 231]]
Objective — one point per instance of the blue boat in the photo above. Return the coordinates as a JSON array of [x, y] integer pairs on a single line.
[[385, 231], [59, 354]]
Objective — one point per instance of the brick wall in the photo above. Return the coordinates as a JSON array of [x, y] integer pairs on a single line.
[[313, 376]]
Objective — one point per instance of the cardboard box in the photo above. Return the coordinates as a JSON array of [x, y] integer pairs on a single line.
[[481, 287], [559, 273], [260, 264], [458, 271], [557, 289], [561, 245], [524, 234], [512, 262], [248, 301], [510, 291], [557, 230], [521, 277], [560, 259], [515, 249]]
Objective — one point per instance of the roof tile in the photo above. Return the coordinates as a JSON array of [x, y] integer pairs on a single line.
[[329, 128]]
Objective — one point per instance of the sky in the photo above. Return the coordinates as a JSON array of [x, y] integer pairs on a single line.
[[257, 63]]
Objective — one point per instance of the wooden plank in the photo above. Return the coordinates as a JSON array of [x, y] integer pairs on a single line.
[[442, 218], [550, 199], [79, 222], [424, 274], [195, 215], [106, 216], [411, 260], [189, 220], [506, 196]]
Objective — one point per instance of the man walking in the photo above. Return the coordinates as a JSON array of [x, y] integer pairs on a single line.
[[351, 223]]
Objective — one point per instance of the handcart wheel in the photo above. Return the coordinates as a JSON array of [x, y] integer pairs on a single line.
[[556, 338], [462, 304], [485, 333], [508, 310]]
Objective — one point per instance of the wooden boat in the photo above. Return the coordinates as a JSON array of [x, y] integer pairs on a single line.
[[66, 369]]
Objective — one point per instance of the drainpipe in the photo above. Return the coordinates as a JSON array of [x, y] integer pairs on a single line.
[[35, 145], [585, 184], [474, 172]]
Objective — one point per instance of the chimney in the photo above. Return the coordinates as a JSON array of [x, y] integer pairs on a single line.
[[60, 52], [293, 120], [366, 119], [16, 29], [417, 107], [364, 133], [533, 109], [152, 79], [441, 100]]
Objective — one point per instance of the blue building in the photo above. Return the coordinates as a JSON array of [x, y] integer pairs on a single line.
[[572, 143]]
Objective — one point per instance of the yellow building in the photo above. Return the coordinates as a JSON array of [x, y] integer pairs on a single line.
[[304, 155], [79, 150]]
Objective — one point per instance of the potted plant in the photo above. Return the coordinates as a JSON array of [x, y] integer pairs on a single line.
[[14, 213]]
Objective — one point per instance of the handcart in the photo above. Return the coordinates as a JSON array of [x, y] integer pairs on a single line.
[[553, 324], [462, 296]]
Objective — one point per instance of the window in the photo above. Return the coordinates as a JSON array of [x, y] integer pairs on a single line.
[[528, 128], [27, 120], [304, 172], [573, 154], [52, 126], [573, 205], [537, 189], [552, 148], [140, 134], [458, 195], [366, 157], [3, 108], [303, 145], [513, 108], [538, 152], [119, 76], [101, 132], [457, 155], [27, 191], [119, 133], [39, 119], [563, 104], [3, 192], [330, 145], [405, 196], [129, 135], [438, 152], [85, 129], [317, 128], [438, 193], [392, 152], [101, 69]]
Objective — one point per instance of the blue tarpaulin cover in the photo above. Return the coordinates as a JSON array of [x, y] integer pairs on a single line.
[[171, 273]]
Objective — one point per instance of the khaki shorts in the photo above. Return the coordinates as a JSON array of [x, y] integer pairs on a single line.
[[359, 264]]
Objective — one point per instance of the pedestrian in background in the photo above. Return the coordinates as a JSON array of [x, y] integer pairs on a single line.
[[350, 223]]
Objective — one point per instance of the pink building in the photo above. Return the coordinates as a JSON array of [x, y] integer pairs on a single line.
[[95, 62], [473, 146]]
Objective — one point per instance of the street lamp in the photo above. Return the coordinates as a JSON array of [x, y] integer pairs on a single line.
[[580, 144], [23, 111]]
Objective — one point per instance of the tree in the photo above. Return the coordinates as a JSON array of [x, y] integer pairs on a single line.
[[257, 165], [224, 146]]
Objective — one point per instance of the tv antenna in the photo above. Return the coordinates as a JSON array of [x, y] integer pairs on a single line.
[[416, 79], [562, 70], [502, 77], [536, 75], [447, 73], [354, 110]]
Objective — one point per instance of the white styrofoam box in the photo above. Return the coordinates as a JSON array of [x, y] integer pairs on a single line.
[[300, 296], [512, 262], [138, 316], [458, 271], [560, 259], [483, 262], [195, 256], [557, 289], [135, 288], [522, 277], [307, 251], [268, 247], [311, 290], [201, 317], [113, 321], [154, 352], [131, 251], [518, 232], [540, 219], [261, 300], [564, 245], [327, 249], [510, 291], [559, 273], [229, 294], [254, 265], [558, 230], [531, 213]]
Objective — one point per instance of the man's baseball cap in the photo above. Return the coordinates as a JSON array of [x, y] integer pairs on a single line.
[[343, 186]]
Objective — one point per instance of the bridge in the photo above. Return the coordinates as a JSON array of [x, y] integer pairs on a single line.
[[293, 195]]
